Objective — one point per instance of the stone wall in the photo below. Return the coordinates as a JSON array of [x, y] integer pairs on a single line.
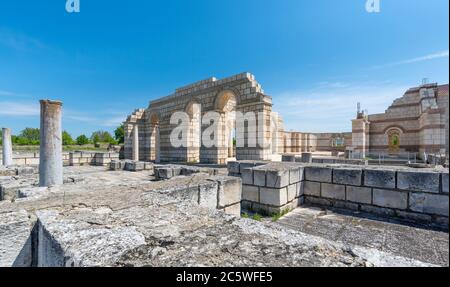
[[92, 158], [413, 194], [33, 158]]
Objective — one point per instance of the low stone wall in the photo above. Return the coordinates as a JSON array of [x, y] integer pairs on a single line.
[[92, 158], [32, 158], [419, 195], [326, 160]]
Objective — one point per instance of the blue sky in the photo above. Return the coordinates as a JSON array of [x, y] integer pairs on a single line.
[[316, 58]]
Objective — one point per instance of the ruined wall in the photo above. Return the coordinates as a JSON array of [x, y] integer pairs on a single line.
[[33, 158], [418, 121]]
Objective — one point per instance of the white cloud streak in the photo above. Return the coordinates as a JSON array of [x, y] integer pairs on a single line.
[[438, 55]]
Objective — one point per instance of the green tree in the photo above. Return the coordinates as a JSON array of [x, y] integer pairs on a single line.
[[30, 134], [119, 134], [102, 137], [67, 138], [82, 140]]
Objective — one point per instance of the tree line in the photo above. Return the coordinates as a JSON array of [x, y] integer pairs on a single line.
[[30, 136]]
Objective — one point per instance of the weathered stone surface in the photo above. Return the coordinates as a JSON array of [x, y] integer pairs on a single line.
[[390, 198], [259, 177], [230, 191], [334, 191], [296, 174], [134, 166], [429, 203], [15, 239], [320, 174], [359, 194], [379, 178], [247, 176], [292, 192], [273, 196], [418, 181], [312, 188], [208, 194], [347, 176], [250, 193], [233, 167], [288, 158], [444, 182]]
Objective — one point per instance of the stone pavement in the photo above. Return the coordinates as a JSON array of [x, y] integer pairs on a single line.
[[416, 242]]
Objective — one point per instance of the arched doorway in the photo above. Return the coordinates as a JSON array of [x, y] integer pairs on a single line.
[[155, 150], [225, 105], [193, 109], [393, 137]]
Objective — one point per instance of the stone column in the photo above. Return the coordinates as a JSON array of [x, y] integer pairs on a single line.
[[136, 142], [360, 140], [50, 163], [7, 147]]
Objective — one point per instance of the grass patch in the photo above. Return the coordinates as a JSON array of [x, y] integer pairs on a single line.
[[257, 217], [245, 215], [277, 216]]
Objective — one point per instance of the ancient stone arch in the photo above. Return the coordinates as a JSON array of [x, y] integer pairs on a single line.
[[240, 93]]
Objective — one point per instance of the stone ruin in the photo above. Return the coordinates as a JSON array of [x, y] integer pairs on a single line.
[[149, 210]]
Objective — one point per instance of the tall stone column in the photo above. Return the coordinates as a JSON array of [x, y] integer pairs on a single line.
[[50, 163], [360, 137], [7, 147], [136, 142]]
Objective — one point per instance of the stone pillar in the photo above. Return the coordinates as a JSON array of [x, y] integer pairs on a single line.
[[360, 140], [7, 147], [50, 163], [136, 142], [308, 143]]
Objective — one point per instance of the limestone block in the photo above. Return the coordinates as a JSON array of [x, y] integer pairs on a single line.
[[296, 174], [320, 174], [25, 170], [378, 210], [390, 198], [259, 177], [250, 193], [230, 191], [288, 158], [292, 192], [300, 188], [444, 182], [429, 203], [134, 166], [346, 205], [379, 178], [418, 181], [307, 157], [273, 196], [233, 210], [208, 194], [333, 191], [312, 188], [247, 176], [359, 194], [347, 176], [233, 167], [277, 178], [163, 172]]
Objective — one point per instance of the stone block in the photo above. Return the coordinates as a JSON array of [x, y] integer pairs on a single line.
[[288, 158], [277, 178], [333, 191], [233, 167], [163, 172], [307, 157], [273, 196], [347, 176], [115, 165], [247, 176], [359, 194], [415, 217], [208, 194], [390, 198], [320, 174], [311, 188], [134, 166], [292, 192], [418, 181], [259, 177], [318, 201], [386, 212], [25, 170], [300, 188], [379, 178], [230, 191], [250, 193], [346, 205], [444, 182], [233, 210], [296, 174], [429, 203]]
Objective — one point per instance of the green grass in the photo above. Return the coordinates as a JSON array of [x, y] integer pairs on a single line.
[[257, 217], [277, 216], [245, 215]]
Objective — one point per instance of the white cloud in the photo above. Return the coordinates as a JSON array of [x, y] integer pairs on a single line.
[[328, 109], [17, 109], [19, 41], [6, 93], [438, 55]]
